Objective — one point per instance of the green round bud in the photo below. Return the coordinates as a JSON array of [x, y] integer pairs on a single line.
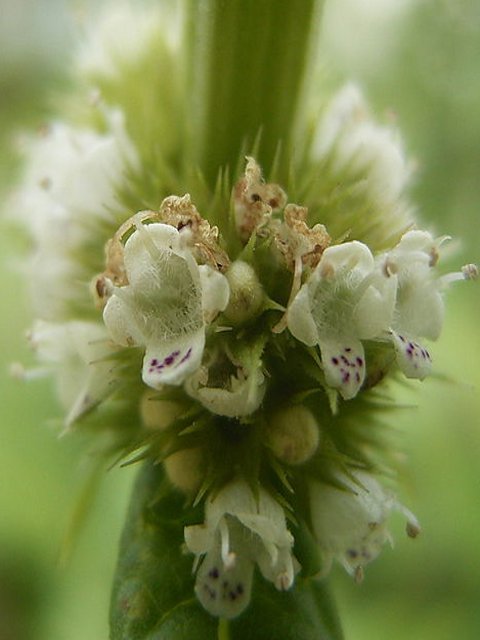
[[246, 293], [158, 414], [293, 434], [185, 469]]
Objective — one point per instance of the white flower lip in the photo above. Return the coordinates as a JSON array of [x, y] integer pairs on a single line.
[[344, 301], [163, 307], [239, 531]]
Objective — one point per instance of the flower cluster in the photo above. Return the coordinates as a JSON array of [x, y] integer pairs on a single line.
[[244, 327]]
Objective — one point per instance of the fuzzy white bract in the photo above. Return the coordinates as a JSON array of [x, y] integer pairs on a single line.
[[241, 529]]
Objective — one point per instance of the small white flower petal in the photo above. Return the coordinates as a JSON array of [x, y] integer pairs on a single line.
[[172, 362], [224, 592], [351, 524], [281, 571], [413, 359], [344, 366], [420, 308], [120, 319], [215, 292], [243, 398], [300, 320], [373, 313], [148, 252], [353, 257]]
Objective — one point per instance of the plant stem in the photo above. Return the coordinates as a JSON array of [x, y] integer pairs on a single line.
[[247, 61], [223, 629]]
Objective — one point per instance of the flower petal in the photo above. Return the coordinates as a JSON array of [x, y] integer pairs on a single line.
[[243, 398], [300, 319], [171, 362], [344, 366], [215, 291], [354, 257], [121, 321], [373, 313], [413, 359], [224, 592], [280, 572]]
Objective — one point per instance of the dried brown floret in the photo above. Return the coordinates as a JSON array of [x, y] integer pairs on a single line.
[[255, 200], [296, 240]]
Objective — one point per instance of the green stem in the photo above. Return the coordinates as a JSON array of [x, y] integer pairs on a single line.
[[223, 629], [247, 63]]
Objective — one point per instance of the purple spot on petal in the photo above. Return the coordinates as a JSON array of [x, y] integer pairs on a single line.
[[360, 361], [335, 361], [348, 349], [357, 377], [154, 362], [186, 356]]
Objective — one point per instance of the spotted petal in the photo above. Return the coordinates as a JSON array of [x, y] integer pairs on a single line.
[[413, 359], [224, 592], [171, 362], [344, 366]]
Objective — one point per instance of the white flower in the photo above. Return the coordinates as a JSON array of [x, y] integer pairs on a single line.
[[240, 530], [350, 524], [233, 385], [70, 186], [77, 353], [344, 301], [166, 303], [419, 309], [359, 145]]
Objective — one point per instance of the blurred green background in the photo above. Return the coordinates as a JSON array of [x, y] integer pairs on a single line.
[[417, 60]]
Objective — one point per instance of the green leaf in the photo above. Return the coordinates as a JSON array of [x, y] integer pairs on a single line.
[[153, 597], [153, 593], [306, 612]]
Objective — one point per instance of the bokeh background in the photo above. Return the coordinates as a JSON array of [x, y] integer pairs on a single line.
[[418, 61]]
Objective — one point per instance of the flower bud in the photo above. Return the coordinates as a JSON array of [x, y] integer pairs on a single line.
[[246, 293], [293, 434], [184, 469], [158, 414]]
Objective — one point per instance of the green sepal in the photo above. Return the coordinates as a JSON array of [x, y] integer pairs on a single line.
[[153, 593]]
